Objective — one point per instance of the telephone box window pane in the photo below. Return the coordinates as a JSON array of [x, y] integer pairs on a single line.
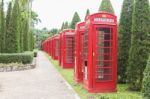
[[69, 49], [104, 54], [57, 48]]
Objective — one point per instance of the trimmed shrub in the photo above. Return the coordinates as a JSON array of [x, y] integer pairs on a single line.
[[146, 81], [24, 58], [35, 53]]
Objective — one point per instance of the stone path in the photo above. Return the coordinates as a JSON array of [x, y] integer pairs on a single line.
[[43, 82]]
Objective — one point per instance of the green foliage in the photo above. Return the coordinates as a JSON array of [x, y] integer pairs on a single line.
[[14, 29], [125, 38], [34, 17], [140, 44], [87, 12], [35, 53], [26, 35], [62, 26], [75, 20], [41, 35], [106, 6], [0, 28], [146, 81], [3, 28], [24, 58], [8, 33], [31, 41], [66, 25]]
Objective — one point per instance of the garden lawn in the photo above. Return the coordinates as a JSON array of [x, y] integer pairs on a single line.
[[122, 93]]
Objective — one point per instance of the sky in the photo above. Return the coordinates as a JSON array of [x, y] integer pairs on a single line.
[[54, 12]]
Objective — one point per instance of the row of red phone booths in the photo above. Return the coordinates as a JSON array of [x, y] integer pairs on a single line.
[[90, 49]]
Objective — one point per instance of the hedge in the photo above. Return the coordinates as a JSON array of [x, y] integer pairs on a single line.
[[24, 58]]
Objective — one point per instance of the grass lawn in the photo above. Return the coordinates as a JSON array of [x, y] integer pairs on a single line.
[[121, 94]]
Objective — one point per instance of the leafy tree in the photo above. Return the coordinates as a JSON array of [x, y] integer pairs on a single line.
[[125, 38], [146, 81], [106, 6], [140, 44], [75, 19], [34, 18], [54, 31]]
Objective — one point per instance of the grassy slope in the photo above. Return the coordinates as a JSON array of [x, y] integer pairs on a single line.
[[121, 94]]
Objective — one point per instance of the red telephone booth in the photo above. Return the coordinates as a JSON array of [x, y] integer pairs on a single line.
[[78, 70], [55, 47], [100, 53], [59, 48], [67, 48]]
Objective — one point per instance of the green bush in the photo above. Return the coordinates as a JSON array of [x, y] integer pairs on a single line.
[[24, 58], [35, 53], [146, 81]]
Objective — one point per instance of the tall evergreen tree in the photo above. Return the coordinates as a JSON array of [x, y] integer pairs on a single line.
[[31, 41], [106, 6], [0, 27], [75, 19], [87, 12], [125, 38], [26, 36], [8, 31], [140, 44], [14, 29], [146, 81], [3, 28], [62, 26], [66, 25]]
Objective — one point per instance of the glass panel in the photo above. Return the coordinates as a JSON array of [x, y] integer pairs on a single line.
[[104, 54], [69, 50], [57, 48], [85, 53]]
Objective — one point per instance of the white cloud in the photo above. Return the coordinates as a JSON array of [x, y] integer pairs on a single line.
[[54, 12]]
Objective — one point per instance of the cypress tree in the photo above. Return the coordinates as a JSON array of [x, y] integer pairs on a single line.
[[14, 36], [66, 25], [87, 12], [8, 33], [62, 26], [21, 34], [106, 6], [75, 19], [140, 44], [146, 81], [125, 38], [30, 41], [26, 36], [2, 27]]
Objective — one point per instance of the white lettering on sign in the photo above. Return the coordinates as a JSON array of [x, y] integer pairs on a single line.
[[103, 20], [82, 27]]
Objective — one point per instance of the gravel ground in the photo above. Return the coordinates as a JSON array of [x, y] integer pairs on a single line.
[[43, 82]]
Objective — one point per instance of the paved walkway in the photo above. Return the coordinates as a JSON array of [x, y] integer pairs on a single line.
[[43, 82]]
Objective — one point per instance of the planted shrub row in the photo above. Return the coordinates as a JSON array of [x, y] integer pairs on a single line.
[[24, 58]]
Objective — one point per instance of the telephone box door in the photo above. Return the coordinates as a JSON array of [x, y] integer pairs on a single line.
[[104, 57]]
